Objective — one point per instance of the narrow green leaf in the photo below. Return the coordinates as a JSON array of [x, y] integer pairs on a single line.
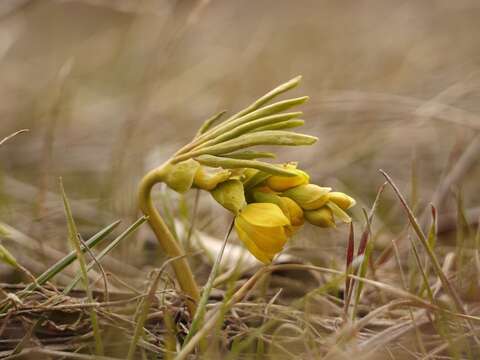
[[130, 230], [6, 257], [58, 267], [226, 163], [271, 137], [207, 124], [250, 155], [269, 96], [288, 124], [251, 126], [73, 236], [231, 123]]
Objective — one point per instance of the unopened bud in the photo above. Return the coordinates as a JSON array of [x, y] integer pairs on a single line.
[[308, 196], [322, 217], [179, 177], [342, 200], [230, 195], [282, 183]]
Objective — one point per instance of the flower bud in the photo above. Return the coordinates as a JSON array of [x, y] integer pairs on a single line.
[[294, 213], [209, 178], [342, 200], [338, 212], [230, 195], [282, 183], [308, 196], [179, 177], [322, 217]]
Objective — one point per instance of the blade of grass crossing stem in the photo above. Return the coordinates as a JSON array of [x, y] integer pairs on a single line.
[[202, 304], [367, 251], [58, 267], [130, 230], [423, 240], [73, 236]]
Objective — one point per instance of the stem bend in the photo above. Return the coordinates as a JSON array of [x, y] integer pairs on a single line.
[[167, 241]]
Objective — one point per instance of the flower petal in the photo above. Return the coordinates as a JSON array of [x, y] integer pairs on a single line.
[[264, 214], [250, 245], [268, 239]]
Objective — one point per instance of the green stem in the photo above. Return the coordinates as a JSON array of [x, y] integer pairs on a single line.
[[167, 241]]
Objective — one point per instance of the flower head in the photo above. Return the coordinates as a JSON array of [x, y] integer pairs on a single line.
[[261, 227]]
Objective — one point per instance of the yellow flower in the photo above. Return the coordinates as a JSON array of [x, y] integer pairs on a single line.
[[308, 196], [282, 183], [290, 208], [342, 200], [260, 226]]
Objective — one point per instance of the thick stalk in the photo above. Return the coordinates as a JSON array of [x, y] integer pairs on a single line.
[[167, 242]]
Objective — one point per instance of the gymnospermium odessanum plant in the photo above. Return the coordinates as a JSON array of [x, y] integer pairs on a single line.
[[270, 202]]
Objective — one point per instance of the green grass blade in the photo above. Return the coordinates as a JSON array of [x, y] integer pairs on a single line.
[[58, 267], [202, 304], [74, 239], [130, 230]]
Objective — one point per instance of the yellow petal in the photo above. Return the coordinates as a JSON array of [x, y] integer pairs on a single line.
[[342, 200], [264, 214], [250, 245], [268, 239], [282, 183], [295, 212]]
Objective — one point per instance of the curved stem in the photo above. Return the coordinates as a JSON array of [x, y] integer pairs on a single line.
[[167, 242]]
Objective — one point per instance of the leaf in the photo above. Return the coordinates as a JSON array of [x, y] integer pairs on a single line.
[[216, 161], [271, 137], [249, 155]]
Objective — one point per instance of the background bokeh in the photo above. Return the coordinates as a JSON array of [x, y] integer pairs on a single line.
[[110, 88]]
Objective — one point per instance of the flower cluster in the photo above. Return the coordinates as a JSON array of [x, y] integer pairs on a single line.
[[270, 202], [269, 209]]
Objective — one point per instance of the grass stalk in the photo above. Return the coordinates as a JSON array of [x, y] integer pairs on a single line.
[[202, 304], [75, 241]]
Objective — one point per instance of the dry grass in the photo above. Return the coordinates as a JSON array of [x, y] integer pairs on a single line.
[[109, 89]]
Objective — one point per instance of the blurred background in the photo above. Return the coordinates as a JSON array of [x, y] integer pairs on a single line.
[[111, 88]]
